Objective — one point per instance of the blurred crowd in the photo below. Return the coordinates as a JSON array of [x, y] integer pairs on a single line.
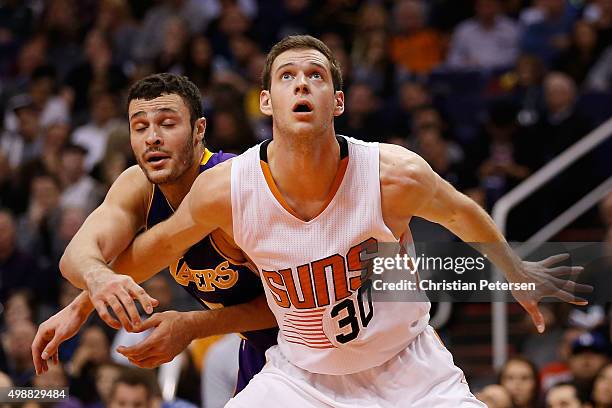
[[487, 91]]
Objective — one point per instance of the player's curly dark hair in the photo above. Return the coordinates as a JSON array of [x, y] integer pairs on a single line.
[[156, 85], [301, 42]]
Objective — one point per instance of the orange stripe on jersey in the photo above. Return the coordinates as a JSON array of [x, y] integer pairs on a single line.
[[281, 200]]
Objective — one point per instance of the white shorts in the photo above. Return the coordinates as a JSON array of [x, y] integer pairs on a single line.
[[422, 375]]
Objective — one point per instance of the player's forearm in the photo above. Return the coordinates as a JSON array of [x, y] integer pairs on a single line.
[[82, 304], [254, 315], [473, 225], [148, 254], [80, 262]]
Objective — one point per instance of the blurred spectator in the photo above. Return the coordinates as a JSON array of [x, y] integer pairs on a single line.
[[78, 188], [17, 269], [92, 352], [197, 65], [5, 382], [578, 59], [232, 22], [444, 156], [599, 77], [20, 306], [42, 92], [133, 388], [502, 154], [599, 13], [558, 371], [115, 21], [16, 18], [56, 377], [62, 24], [362, 118], [49, 160], [589, 355], [65, 227], [561, 125], [31, 56], [602, 388], [17, 356], [549, 36], [526, 84], [487, 41], [495, 396], [563, 396], [219, 371], [96, 74], [174, 46], [520, 377], [24, 143], [231, 131], [93, 136], [34, 228], [414, 46], [412, 96], [106, 375]]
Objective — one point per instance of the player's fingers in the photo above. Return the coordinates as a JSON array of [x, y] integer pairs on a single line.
[[129, 306], [36, 355], [560, 271], [56, 358], [572, 287], [105, 315], [571, 298], [52, 347], [149, 362], [147, 302], [138, 350], [151, 322], [116, 306], [536, 316], [555, 259]]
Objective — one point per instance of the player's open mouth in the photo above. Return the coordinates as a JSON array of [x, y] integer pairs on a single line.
[[156, 158], [302, 107]]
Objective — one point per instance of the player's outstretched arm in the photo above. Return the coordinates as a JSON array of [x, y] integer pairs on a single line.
[[108, 230], [58, 328], [411, 187], [205, 208], [173, 331]]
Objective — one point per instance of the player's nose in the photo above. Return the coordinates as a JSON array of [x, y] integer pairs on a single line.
[[153, 137], [301, 85]]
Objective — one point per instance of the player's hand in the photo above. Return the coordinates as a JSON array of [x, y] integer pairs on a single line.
[[51, 333], [118, 292], [550, 282], [170, 336]]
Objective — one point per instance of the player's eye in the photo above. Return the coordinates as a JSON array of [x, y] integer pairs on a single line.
[[316, 75], [286, 75], [167, 123]]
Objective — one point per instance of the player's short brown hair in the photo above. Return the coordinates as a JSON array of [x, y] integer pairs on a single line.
[[156, 85], [301, 42]]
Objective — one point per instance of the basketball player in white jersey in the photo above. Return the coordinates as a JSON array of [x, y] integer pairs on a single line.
[[307, 208]]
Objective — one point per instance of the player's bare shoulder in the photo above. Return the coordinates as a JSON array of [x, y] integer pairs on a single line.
[[211, 194], [406, 182]]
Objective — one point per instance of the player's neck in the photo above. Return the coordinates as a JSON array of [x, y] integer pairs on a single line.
[[304, 168], [177, 190]]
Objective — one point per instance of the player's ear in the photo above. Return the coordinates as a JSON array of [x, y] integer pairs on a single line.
[[265, 104], [339, 98], [200, 128]]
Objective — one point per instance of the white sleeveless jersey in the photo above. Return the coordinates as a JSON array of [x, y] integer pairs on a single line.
[[311, 271]]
